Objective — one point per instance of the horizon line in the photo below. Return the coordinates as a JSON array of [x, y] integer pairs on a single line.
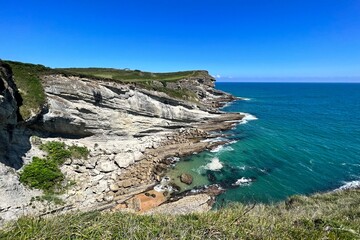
[[217, 81]]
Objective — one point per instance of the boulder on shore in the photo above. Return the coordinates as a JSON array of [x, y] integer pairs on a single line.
[[186, 178]]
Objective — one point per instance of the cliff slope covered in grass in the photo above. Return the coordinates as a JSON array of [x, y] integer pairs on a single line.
[[323, 216]]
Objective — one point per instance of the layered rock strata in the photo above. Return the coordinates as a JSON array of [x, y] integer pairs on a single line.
[[130, 132]]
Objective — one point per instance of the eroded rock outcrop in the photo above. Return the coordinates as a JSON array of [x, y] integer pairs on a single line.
[[129, 131]]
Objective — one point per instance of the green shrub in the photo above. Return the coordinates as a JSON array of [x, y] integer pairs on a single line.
[[45, 174], [57, 151], [42, 174]]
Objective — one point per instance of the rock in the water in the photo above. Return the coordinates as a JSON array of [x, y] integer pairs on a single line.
[[186, 178]]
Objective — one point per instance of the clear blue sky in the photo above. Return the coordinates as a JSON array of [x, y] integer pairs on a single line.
[[238, 38]]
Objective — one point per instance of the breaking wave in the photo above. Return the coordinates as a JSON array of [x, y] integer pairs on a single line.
[[242, 181], [248, 117], [349, 185], [214, 165]]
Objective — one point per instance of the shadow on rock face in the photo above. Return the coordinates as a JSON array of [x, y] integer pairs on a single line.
[[14, 144], [14, 139]]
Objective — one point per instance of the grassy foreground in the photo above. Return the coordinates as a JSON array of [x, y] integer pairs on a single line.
[[322, 216]]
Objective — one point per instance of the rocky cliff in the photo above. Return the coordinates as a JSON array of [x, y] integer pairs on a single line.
[[13, 143], [123, 125]]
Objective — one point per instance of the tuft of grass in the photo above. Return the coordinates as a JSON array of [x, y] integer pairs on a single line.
[[79, 152], [48, 197], [57, 151], [322, 216]]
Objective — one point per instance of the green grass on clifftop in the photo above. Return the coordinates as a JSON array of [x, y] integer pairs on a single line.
[[132, 75], [323, 216]]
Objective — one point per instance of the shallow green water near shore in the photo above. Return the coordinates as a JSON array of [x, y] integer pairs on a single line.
[[306, 139]]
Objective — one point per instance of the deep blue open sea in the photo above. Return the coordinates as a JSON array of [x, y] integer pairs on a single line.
[[306, 139]]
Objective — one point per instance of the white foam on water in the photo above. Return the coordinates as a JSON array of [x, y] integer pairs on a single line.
[[228, 148], [246, 99], [217, 139], [248, 117], [173, 159], [242, 167], [217, 149], [242, 181], [226, 105], [163, 186], [222, 148], [214, 165], [160, 188], [349, 185]]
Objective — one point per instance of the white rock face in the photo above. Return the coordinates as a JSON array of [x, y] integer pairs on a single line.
[[86, 107], [15, 197]]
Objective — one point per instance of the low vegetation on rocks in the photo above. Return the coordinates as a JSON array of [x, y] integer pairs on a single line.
[[322, 216], [44, 173], [178, 93]]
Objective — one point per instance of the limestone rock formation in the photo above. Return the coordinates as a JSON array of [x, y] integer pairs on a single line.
[[121, 124]]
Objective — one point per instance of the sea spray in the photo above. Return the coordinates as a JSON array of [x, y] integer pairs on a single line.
[[248, 117], [243, 181], [221, 148], [349, 185], [214, 165]]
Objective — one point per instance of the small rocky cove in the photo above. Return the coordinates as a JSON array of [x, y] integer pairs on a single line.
[[133, 134]]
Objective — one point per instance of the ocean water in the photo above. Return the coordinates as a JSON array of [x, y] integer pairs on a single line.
[[305, 139]]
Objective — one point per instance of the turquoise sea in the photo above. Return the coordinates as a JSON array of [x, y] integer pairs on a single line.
[[306, 139]]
